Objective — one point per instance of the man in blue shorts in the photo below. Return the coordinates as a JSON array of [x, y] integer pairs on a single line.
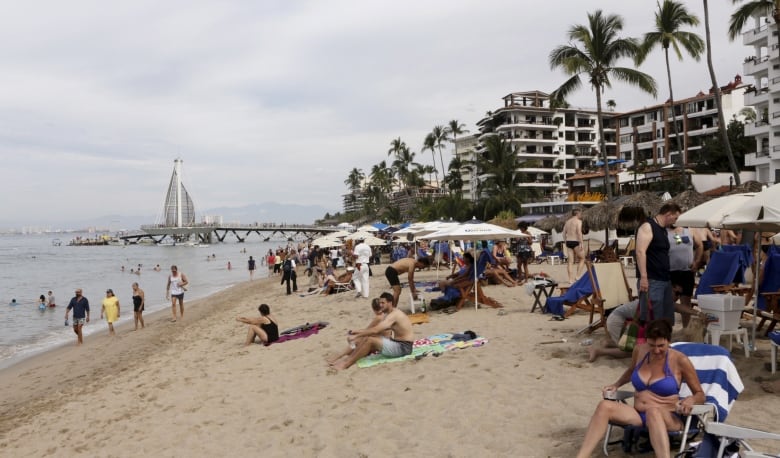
[[80, 306]]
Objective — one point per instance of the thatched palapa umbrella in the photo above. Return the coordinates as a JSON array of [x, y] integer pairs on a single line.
[[637, 208], [551, 222], [601, 216], [748, 186], [689, 199]]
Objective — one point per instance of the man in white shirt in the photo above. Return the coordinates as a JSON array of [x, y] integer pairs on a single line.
[[362, 253]]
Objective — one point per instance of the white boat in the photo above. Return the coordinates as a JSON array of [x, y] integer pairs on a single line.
[[56, 242]]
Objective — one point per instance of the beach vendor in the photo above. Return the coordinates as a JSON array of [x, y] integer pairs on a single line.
[[80, 306], [372, 339], [110, 309]]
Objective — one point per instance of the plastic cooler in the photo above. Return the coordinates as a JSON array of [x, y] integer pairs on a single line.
[[726, 307]]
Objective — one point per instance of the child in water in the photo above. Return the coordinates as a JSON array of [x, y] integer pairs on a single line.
[[42, 303]]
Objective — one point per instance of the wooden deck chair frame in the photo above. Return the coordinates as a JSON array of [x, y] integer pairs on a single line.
[[611, 290], [467, 292]]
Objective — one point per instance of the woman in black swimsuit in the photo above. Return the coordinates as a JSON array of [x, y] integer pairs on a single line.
[[264, 327], [138, 305]]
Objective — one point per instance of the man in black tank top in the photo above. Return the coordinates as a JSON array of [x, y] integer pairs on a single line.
[[652, 264]]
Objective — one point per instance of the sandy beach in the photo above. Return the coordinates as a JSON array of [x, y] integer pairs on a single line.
[[192, 389]]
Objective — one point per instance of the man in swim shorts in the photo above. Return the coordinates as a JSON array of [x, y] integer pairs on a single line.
[[371, 339], [80, 306], [572, 236], [408, 266]]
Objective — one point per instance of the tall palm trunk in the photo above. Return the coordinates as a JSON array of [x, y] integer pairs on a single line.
[[436, 172], [603, 143], [443, 170], [603, 146], [680, 148], [724, 137]]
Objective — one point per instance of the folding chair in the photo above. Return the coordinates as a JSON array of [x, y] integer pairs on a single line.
[[769, 293], [724, 268]]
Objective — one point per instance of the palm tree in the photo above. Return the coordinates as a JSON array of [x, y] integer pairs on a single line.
[[430, 144], [354, 180], [724, 136], [440, 134], [593, 51], [748, 113], [746, 11], [456, 128], [611, 104], [454, 178], [670, 17], [499, 176]]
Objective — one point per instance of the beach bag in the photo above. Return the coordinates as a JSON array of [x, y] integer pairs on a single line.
[[633, 332]]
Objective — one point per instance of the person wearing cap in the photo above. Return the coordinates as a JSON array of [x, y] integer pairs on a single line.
[[110, 310], [363, 254]]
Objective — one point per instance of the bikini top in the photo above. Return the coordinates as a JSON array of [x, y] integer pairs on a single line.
[[666, 386]]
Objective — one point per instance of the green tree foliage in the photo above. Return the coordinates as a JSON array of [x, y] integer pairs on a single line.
[[713, 156]]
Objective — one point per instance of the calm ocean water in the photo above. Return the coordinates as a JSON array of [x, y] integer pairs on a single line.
[[30, 266]]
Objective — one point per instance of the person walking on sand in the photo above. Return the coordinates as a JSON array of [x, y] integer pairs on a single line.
[[177, 285], [572, 236], [111, 310], [373, 339], [265, 327], [80, 306], [408, 266], [138, 305], [252, 267], [363, 255], [51, 300]]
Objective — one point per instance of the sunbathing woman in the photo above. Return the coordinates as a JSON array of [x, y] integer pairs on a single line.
[[264, 327], [331, 280], [656, 373]]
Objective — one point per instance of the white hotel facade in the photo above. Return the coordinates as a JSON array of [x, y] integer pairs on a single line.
[[763, 66]]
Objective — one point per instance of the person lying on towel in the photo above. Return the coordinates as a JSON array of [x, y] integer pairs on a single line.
[[373, 339]]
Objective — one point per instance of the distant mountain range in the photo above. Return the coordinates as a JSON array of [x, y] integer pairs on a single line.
[[260, 213]]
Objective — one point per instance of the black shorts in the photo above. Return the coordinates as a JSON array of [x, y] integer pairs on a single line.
[[684, 279], [572, 245], [392, 276], [180, 297]]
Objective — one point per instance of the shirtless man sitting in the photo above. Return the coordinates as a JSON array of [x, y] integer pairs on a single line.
[[572, 235], [379, 315], [372, 339], [408, 266]]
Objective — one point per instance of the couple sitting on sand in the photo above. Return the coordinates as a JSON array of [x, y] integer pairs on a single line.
[[389, 333]]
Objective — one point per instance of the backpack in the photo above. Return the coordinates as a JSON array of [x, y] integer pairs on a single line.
[[287, 266]]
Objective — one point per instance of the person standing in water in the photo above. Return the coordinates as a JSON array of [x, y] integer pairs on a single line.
[[51, 300], [177, 285], [41, 302], [138, 306], [252, 265]]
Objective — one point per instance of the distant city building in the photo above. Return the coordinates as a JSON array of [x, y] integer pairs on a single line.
[[764, 67]]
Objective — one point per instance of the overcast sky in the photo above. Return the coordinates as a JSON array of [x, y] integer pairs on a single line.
[[270, 100]]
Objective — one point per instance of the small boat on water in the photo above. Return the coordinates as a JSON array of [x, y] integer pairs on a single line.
[[56, 242]]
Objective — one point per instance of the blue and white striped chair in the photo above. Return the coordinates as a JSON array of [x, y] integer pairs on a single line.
[[720, 382]]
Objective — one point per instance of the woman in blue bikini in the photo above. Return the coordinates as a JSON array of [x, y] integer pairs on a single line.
[[656, 373]]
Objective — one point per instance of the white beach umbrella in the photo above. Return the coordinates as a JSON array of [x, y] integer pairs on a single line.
[[711, 213], [327, 242], [760, 213], [474, 230], [369, 239], [338, 234], [367, 228], [535, 231]]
